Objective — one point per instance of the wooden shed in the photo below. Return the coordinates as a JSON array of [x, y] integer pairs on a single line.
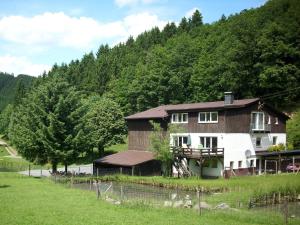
[[131, 162]]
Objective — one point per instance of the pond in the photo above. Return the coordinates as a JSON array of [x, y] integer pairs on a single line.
[[139, 192]]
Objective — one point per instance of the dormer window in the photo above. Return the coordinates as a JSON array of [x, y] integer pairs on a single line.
[[208, 117], [179, 118]]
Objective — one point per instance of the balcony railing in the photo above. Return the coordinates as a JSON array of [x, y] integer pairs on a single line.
[[197, 153], [260, 127]]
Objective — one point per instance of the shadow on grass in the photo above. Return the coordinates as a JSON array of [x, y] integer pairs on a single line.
[[4, 186]]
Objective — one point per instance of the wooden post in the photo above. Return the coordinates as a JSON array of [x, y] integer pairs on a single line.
[[293, 164], [72, 180], [29, 170], [41, 172], [279, 166], [121, 170], [259, 166], [98, 189], [199, 200], [91, 182], [286, 211], [122, 193], [265, 167], [132, 171]]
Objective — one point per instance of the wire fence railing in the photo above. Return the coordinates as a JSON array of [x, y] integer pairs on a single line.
[[131, 193]]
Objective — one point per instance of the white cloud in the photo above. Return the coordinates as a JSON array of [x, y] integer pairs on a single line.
[[59, 29], [122, 3], [189, 13], [46, 31], [21, 65]]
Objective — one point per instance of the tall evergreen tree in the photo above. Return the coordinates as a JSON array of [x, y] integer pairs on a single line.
[[43, 128]]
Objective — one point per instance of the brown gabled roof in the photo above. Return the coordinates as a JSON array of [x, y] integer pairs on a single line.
[[162, 111], [126, 158]]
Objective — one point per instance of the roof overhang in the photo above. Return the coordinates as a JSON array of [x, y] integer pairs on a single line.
[[281, 153]]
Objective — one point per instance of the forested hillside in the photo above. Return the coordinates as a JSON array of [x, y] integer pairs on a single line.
[[11, 88], [254, 53]]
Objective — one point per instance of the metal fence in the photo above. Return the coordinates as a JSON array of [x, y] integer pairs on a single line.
[[197, 200]]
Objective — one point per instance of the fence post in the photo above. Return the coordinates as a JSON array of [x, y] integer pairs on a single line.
[[122, 193], [72, 180], [98, 189], [91, 184], [286, 211], [29, 170], [199, 200]]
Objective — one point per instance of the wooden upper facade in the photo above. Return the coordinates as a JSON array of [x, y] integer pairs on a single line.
[[236, 117]]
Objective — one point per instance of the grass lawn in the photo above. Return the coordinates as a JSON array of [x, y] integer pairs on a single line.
[[26, 200], [8, 164], [3, 151]]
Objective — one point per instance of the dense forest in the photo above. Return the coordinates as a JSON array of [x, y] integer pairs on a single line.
[[77, 108], [254, 53], [13, 88]]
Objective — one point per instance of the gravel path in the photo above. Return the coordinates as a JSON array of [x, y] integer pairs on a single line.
[[87, 169]]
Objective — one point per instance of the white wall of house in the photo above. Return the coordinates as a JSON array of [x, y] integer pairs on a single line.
[[235, 146]]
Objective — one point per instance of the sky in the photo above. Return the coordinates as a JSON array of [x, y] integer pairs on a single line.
[[36, 34]]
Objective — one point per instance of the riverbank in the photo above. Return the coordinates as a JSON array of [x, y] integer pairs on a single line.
[[28, 200]]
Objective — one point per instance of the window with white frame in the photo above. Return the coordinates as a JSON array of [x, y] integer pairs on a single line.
[[258, 142], [180, 140], [179, 118], [258, 121], [208, 117], [209, 142]]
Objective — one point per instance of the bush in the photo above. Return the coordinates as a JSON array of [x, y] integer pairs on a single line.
[[276, 148]]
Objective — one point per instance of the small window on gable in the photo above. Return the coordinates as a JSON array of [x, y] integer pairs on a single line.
[[269, 119], [276, 120]]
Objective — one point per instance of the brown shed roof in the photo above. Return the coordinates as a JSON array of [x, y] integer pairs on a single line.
[[126, 158], [162, 111]]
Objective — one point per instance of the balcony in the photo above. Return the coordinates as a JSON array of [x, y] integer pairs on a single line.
[[194, 153], [260, 128]]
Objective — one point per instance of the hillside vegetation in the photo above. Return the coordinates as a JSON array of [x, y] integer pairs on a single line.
[[76, 110], [11, 87], [253, 53]]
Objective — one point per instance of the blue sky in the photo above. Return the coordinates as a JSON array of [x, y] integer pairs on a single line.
[[35, 34]]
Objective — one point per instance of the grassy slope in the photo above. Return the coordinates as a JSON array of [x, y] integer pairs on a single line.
[[32, 201]]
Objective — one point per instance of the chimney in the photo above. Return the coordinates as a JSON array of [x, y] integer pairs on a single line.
[[228, 98]]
